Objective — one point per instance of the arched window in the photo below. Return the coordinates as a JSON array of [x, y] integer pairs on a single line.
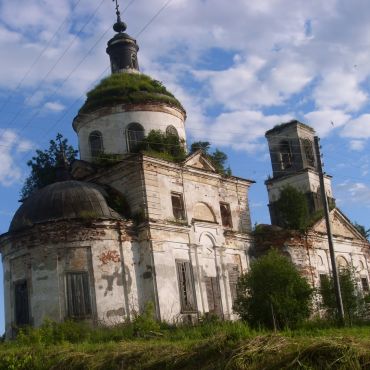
[[135, 136], [96, 144], [286, 155], [308, 151], [171, 130]]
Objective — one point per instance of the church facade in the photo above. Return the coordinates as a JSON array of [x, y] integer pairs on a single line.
[[106, 240]]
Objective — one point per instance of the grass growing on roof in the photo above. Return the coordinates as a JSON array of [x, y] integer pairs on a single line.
[[128, 88]]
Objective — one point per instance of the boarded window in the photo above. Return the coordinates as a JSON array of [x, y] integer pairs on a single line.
[[213, 295], [234, 274], [96, 144], [78, 294], [135, 136], [365, 284], [21, 303], [177, 206], [226, 215], [184, 276]]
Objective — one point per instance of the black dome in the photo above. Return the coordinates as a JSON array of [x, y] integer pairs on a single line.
[[60, 201]]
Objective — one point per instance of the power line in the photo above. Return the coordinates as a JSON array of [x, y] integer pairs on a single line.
[[38, 58]]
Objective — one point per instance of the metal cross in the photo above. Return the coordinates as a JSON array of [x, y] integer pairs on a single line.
[[117, 6]]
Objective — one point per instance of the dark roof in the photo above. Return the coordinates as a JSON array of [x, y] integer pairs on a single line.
[[278, 128], [128, 88], [60, 201]]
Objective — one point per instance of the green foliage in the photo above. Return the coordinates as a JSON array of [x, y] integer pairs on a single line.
[[127, 88], [44, 165], [164, 146], [353, 302], [292, 209], [118, 202], [217, 158], [107, 159], [273, 293], [362, 230], [145, 323]]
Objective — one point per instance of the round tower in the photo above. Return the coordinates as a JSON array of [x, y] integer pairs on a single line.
[[124, 107]]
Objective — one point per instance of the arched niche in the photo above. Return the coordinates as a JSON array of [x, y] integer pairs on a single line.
[[203, 212], [342, 263], [207, 240]]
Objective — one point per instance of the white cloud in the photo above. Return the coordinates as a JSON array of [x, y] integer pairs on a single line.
[[354, 193], [358, 128], [325, 121], [339, 89], [357, 145], [54, 106], [10, 146]]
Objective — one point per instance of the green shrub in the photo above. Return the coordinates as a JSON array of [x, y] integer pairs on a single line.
[[353, 301], [273, 293], [127, 88], [292, 209]]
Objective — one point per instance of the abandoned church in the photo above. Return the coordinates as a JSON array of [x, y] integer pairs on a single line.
[[105, 240]]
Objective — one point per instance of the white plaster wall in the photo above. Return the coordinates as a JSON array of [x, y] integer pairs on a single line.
[[113, 127]]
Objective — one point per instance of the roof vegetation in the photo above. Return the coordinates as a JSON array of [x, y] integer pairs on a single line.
[[128, 88]]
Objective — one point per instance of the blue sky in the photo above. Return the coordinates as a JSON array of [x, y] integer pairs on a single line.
[[238, 69]]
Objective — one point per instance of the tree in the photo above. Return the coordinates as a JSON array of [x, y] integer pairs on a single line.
[[44, 165], [273, 294], [218, 158], [362, 230], [292, 209], [353, 302]]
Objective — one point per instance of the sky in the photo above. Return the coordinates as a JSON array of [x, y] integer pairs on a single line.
[[238, 67]]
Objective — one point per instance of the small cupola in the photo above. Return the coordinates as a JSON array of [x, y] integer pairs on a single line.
[[122, 48]]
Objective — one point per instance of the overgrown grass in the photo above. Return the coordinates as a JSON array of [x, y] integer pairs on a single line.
[[127, 88], [145, 344]]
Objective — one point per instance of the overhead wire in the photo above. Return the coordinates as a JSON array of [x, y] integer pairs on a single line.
[[18, 86]]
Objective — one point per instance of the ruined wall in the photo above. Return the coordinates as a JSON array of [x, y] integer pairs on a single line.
[[106, 250]]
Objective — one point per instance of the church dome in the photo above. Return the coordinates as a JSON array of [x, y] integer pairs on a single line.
[[61, 201], [128, 88]]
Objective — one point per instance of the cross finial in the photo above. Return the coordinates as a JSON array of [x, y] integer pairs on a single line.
[[119, 26]]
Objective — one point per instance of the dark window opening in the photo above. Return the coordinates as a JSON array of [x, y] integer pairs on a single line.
[[234, 275], [286, 155], [171, 130], [365, 284], [21, 303], [213, 295], [226, 215], [78, 295], [187, 296], [323, 279], [96, 144], [135, 136], [177, 206], [308, 150]]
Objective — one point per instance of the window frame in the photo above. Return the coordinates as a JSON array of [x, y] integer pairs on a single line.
[[286, 155], [182, 206], [15, 284], [86, 289], [188, 302], [96, 152], [229, 224], [365, 287], [133, 142], [171, 130]]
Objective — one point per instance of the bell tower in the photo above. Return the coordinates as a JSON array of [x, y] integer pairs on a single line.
[[294, 163]]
